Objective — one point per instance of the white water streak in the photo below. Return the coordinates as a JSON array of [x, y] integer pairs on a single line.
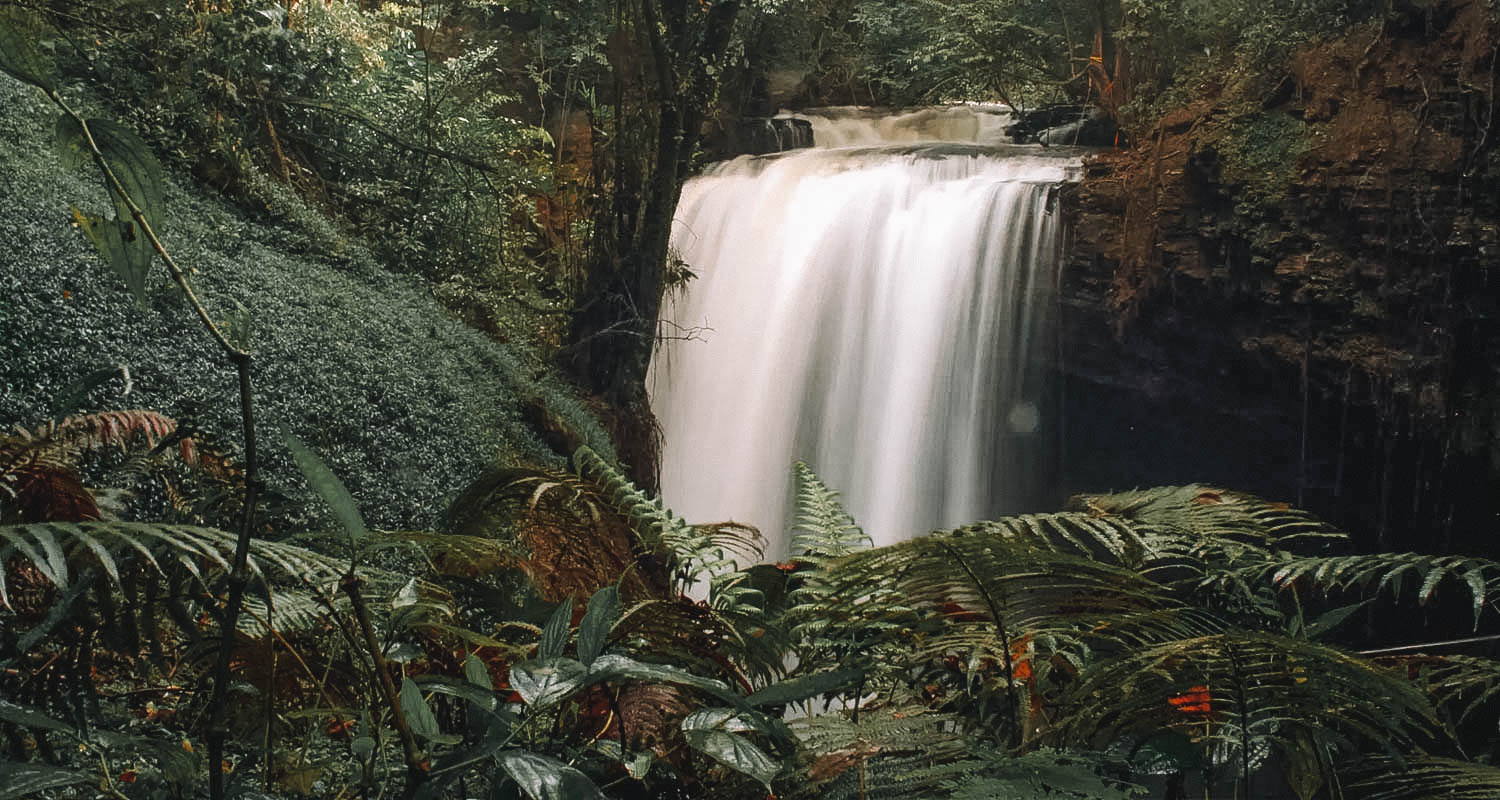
[[870, 311]]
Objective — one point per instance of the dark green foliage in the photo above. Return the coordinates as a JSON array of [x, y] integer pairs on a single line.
[[21, 53], [404, 403], [28, 780]]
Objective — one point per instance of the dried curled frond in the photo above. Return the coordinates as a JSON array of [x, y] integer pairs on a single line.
[[40, 467], [64, 440]]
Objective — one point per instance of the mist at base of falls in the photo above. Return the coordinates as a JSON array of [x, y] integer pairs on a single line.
[[874, 310]]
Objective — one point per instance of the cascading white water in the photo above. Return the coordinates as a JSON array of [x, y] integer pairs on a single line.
[[868, 309]]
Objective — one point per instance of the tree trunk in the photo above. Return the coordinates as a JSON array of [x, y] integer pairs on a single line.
[[662, 100]]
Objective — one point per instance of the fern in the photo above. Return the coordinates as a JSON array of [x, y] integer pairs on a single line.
[[1204, 512], [1459, 684], [823, 528], [1103, 539], [697, 552], [58, 551], [1424, 778], [1393, 572], [1241, 695]]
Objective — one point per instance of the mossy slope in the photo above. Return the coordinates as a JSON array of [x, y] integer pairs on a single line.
[[406, 404]]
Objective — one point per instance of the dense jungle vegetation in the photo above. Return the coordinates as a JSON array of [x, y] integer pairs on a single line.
[[328, 471]]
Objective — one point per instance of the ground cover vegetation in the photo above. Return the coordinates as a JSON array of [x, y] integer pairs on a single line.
[[186, 611]]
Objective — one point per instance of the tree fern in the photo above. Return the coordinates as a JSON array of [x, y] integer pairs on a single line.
[[1424, 778], [1240, 696], [1399, 573], [1207, 512]]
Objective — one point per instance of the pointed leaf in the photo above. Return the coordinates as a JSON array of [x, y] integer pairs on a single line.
[[477, 673], [555, 634], [546, 681], [31, 718], [804, 687], [593, 631], [331, 489], [1332, 619], [735, 752], [543, 778], [420, 717]]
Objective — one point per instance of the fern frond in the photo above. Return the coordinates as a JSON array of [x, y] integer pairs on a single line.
[[1460, 684], [1207, 512], [694, 553], [64, 439], [1398, 573], [823, 528], [1105, 539], [457, 555], [1244, 694], [1424, 778], [975, 587], [57, 549]]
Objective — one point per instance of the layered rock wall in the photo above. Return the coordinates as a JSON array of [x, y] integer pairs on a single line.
[[1302, 290]]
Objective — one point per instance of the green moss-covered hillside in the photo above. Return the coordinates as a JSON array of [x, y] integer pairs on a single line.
[[406, 404]]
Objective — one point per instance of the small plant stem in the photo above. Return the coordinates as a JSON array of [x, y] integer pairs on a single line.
[[415, 772], [238, 572]]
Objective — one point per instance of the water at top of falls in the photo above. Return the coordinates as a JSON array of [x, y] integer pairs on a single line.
[[872, 309], [977, 123]]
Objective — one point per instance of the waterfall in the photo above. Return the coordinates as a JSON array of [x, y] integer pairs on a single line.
[[872, 309]]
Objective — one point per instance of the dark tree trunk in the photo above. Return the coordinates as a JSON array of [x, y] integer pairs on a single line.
[[665, 57]]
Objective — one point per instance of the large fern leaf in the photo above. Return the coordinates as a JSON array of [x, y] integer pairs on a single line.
[[1243, 695], [60, 550], [1424, 778], [1401, 574], [1207, 512]]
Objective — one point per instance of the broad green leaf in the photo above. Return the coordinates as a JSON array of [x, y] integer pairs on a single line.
[[133, 164], [362, 747], [555, 634], [546, 681], [420, 717], [593, 630], [19, 54], [119, 239], [543, 778], [477, 673], [485, 699], [31, 718], [801, 688], [735, 752], [639, 764], [331, 489], [30, 779]]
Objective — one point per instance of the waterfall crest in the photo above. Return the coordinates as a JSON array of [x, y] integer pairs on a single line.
[[869, 309]]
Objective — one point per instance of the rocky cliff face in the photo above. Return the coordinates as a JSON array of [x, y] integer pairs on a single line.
[[1300, 293]]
